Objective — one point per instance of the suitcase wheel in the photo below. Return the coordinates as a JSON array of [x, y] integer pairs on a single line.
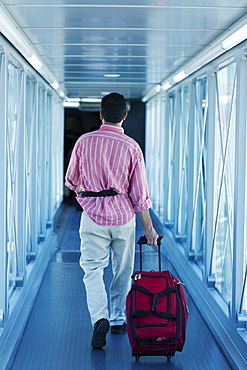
[[136, 355], [169, 356]]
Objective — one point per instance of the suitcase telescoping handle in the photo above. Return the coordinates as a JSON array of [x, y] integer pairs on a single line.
[[143, 240]]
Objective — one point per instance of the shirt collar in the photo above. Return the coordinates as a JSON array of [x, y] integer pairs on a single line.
[[113, 128]]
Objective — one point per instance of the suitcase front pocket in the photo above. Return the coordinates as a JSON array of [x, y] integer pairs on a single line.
[[151, 316]]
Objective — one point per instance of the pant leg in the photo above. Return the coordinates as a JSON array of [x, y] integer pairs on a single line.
[[95, 251], [123, 249]]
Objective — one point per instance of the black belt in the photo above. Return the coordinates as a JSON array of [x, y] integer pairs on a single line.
[[102, 193]]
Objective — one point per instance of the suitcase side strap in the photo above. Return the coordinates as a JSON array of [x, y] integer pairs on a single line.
[[142, 289], [162, 315]]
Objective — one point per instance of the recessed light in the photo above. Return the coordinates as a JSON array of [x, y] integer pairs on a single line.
[[71, 104], [112, 75], [91, 100]]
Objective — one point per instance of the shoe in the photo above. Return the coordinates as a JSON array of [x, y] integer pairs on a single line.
[[118, 329], [101, 327]]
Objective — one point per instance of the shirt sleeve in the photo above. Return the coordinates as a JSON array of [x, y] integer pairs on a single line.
[[72, 177], [138, 187]]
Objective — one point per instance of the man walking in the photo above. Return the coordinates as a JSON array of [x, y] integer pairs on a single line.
[[107, 172]]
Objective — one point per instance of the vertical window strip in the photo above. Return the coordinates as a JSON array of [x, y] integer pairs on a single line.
[[156, 154], [169, 211], [41, 151], [57, 154], [29, 139], [198, 221], [223, 235], [49, 159], [239, 294], [2, 174], [162, 158], [183, 189], [149, 158], [12, 143], [176, 155]]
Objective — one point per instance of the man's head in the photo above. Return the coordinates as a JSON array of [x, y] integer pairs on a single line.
[[113, 108]]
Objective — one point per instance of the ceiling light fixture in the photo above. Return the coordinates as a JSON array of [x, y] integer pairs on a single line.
[[111, 75], [166, 86], [70, 104], [73, 99], [235, 39], [55, 85], [91, 100], [35, 62], [180, 76], [153, 91]]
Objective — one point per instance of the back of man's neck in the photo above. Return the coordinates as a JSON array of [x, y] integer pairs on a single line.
[[113, 124]]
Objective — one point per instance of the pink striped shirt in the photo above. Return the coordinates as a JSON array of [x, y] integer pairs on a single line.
[[109, 159]]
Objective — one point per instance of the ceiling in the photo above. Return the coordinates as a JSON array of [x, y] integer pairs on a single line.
[[142, 41]]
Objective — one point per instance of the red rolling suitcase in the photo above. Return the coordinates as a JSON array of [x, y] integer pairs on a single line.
[[156, 311]]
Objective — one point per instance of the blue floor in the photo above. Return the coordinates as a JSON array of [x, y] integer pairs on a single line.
[[58, 332]]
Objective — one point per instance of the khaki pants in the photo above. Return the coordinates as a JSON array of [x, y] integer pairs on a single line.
[[97, 242]]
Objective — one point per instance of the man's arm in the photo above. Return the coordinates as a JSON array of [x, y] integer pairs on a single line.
[[72, 177], [150, 232]]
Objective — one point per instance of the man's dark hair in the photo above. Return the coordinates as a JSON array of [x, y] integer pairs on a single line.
[[113, 107]]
